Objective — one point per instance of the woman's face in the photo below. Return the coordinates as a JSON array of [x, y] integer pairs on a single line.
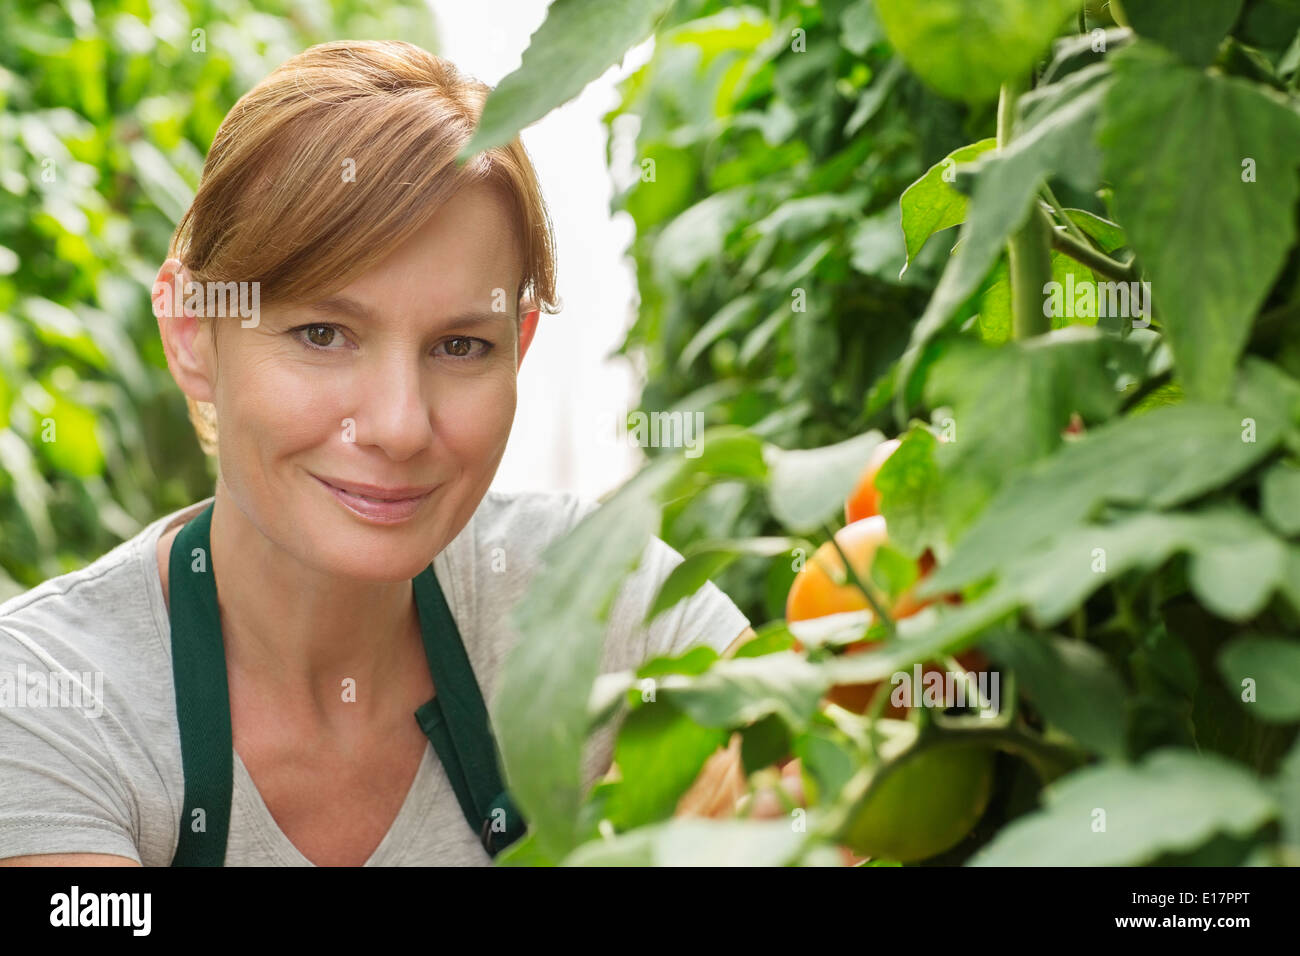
[[415, 393]]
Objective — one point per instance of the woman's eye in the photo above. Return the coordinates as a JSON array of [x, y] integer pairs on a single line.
[[318, 336], [462, 347]]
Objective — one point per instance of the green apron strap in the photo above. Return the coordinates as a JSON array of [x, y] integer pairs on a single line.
[[456, 723], [202, 697], [455, 720]]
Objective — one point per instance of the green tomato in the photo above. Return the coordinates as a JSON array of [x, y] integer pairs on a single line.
[[922, 804]]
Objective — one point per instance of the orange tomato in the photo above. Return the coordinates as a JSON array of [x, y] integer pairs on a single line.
[[864, 500], [822, 587]]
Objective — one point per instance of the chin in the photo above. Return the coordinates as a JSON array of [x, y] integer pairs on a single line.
[[365, 565]]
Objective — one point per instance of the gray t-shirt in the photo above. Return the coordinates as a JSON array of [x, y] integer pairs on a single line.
[[100, 770]]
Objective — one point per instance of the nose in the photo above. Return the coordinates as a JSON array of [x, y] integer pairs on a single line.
[[393, 410]]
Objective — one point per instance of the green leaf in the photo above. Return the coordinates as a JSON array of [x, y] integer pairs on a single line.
[[1193, 30], [931, 204], [687, 578], [1272, 664], [922, 637], [1159, 459], [859, 28], [1280, 497], [1055, 138], [540, 709], [1072, 684], [908, 485], [874, 97], [698, 235], [1204, 173], [706, 559], [727, 451], [1287, 788], [689, 841], [892, 570], [659, 754], [577, 42], [763, 743], [1009, 406], [697, 660], [74, 445], [744, 690], [966, 49], [1073, 301], [736, 314], [1109, 235], [807, 487], [1174, 800]]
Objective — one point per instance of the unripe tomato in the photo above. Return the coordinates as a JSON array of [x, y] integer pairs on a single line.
[[923, 804], [864, 501]]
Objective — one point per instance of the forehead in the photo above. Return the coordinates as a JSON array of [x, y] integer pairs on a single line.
[[456, 261]]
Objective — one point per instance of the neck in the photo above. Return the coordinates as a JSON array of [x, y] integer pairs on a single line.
[[299, 633]]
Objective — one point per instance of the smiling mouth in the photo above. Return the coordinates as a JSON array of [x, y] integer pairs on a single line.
[[385, 510]]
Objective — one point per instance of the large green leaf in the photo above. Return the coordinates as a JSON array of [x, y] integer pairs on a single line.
[[807, 487], [1072, 684], [1127, 815], [931, 203], [966, 49], [1009, 405], [1192, 29], [1158, 459], [576, 43], [1272, 664], [659, 754], [540, 710], [1204, 172], [1236, 563]]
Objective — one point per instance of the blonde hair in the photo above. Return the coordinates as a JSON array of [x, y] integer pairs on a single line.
[[274, 204]]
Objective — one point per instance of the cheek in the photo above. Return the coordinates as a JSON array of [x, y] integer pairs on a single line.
[[474, 415], [270, 406]]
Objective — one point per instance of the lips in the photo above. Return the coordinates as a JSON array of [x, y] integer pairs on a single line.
[[378, 492], [378, 504]]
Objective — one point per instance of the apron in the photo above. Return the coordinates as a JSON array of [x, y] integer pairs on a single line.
[[455, 720]]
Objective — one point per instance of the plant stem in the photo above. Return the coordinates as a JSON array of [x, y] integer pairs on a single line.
[[1048, 760], [1095, 260], [876, 608], [1069, 223], [1030, 261], [1146, 388], [1028, 251]]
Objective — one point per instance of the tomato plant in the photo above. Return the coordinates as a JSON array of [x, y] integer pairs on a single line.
[[1051, 251]]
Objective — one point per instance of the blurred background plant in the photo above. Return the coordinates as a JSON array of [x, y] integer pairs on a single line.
[[107, 113], [769, 258]]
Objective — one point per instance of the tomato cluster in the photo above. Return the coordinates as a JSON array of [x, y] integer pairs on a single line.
[[921, 802], [822, 587]]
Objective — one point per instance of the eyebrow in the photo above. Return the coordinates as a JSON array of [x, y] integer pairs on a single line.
[[339, 304]]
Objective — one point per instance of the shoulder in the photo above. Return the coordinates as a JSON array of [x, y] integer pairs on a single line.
[[88, 612], [88, 739]]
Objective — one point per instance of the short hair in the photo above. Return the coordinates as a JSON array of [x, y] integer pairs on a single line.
[[274, 204]]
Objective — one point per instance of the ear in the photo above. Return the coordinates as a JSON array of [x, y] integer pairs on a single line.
[[527, 328], [185, 341]]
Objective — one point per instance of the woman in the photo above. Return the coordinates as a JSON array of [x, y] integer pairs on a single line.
[[364, 392]]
